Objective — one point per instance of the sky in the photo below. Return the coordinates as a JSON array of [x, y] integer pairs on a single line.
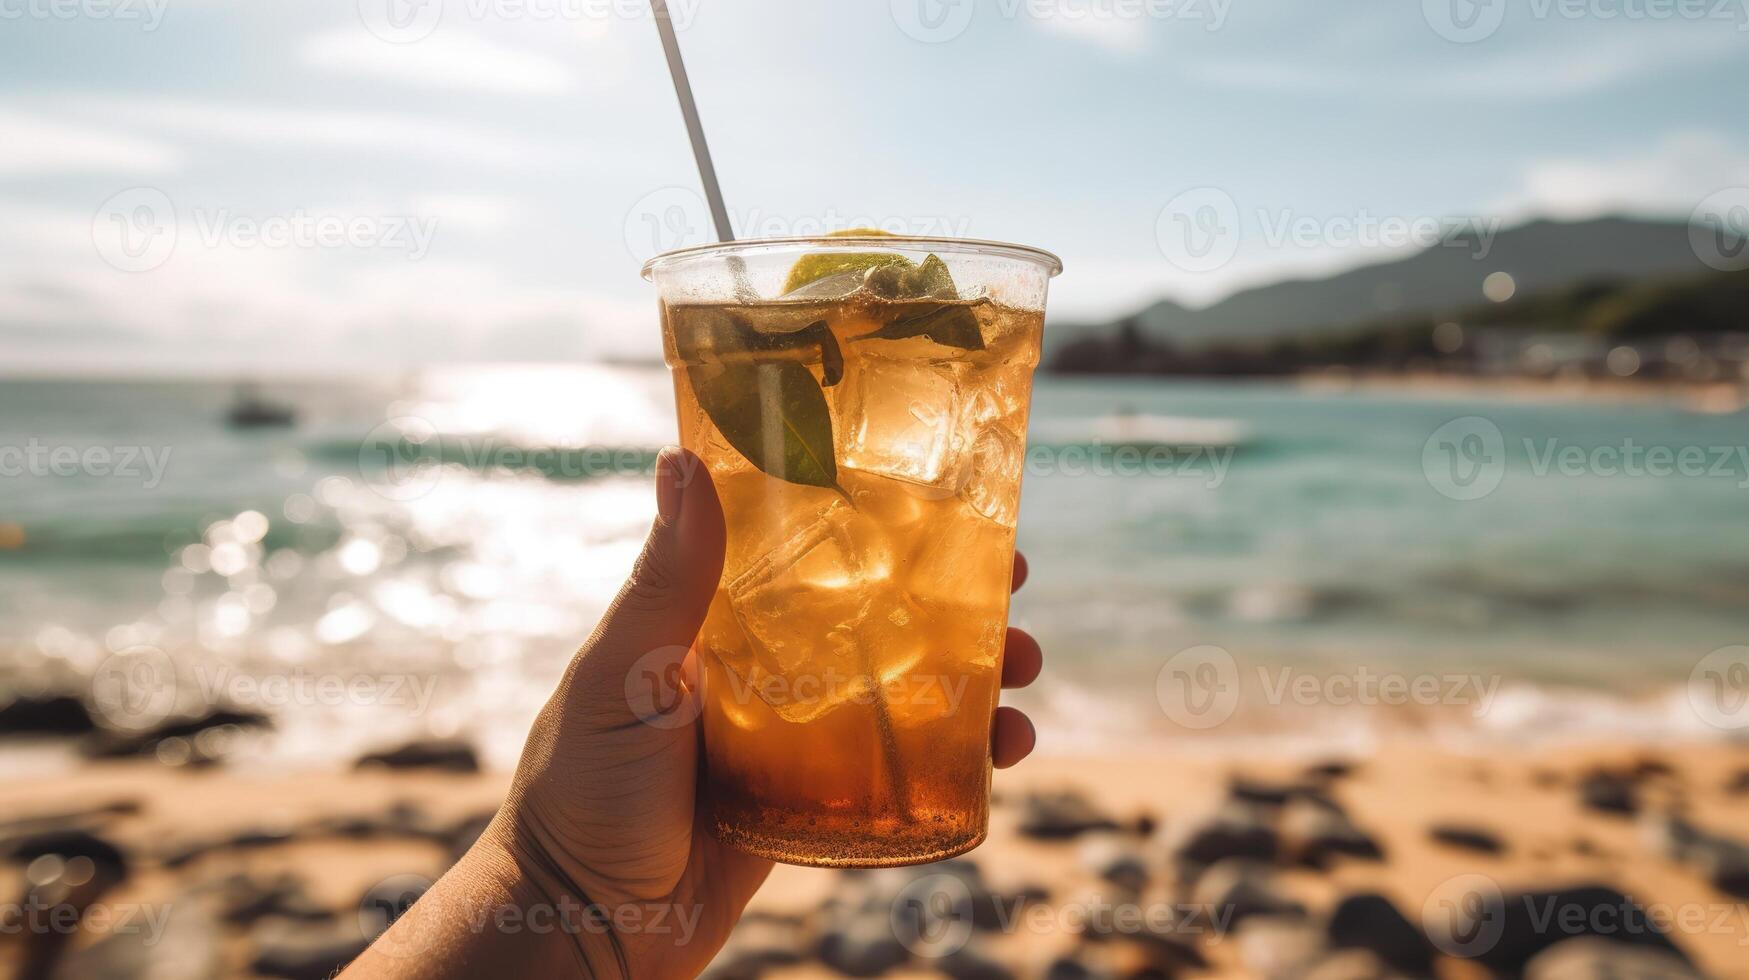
[[324, 184]]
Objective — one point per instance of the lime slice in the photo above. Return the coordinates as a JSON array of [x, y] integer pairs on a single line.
[[811, 268]]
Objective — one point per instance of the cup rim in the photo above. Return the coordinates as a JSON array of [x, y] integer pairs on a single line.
[[851, 243]]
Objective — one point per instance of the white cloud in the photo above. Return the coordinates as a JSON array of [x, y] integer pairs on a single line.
[[1669, 177], [32, 145], [1123, 35], [448, 59], [1535, 72], [474, 212], [303, 129]]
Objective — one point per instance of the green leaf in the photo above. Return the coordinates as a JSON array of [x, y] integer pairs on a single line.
[[931, 281], [948, 324], [774, 414]]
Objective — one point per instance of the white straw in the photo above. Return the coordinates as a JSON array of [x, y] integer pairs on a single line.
[[694, 130]]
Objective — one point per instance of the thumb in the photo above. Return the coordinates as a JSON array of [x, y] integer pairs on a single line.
[[664, 602]]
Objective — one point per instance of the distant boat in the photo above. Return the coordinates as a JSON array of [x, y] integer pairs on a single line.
[[251, 411]]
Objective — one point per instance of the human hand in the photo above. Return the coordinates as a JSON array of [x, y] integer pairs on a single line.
[[603, 816]]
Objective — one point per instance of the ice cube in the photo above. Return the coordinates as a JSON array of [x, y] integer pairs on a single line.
[[803, 608], [967, 560], [901, 419], [992, 487]]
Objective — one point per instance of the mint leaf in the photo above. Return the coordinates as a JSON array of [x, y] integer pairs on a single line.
[[775, 415], [948, 324]]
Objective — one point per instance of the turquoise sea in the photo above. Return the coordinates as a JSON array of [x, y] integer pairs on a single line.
[[1321, 534]]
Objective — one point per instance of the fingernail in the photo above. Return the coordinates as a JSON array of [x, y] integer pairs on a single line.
[[670, 492]]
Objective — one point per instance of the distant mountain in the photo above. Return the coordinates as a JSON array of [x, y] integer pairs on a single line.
[[1540, 256]]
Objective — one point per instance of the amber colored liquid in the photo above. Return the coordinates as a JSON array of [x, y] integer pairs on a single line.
[[852, 654]]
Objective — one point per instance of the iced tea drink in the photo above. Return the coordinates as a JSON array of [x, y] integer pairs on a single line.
[[863, 418]]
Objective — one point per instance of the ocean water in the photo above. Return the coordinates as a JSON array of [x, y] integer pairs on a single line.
[[423, 553]]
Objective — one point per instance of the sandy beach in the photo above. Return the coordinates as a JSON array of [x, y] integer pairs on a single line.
[[1210, 865]]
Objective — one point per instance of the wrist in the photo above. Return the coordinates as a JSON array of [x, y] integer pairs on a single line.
[[543, 907]]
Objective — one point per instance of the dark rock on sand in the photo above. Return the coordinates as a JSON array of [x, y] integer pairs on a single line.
[[107, 859], [1238, 889], [1236, 830], [861, 945], [244, 900], [113, 744], [760, 943], [1738, 782], [1505, 932], [1466, 837], [1116, 858], [251, 838], [865, 924], [444, 754], [1610, 792], [1315, 832], [1330, 770], [55, 714], [1061, 815], [1370, 921], [1268, 794], [972, 962], [306, 953], [1723, 861], [1601, 959]]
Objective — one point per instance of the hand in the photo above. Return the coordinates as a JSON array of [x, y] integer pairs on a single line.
[[603, 812]]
